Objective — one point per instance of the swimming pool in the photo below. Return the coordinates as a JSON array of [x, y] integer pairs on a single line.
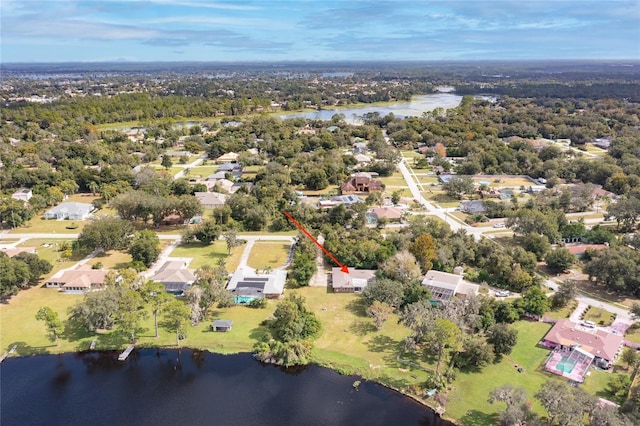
[[242, 299], [566, 365]]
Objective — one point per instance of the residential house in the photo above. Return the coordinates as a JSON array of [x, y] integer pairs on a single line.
[[246, 285], [601, 344], [217, 176], [353, 282], [229, 157], [392, 214], [175, 277], [337, 200], [78, 280], [237, 185], [361, 183], [69, 210], [179, 154], [14, 251], [443, 285], [473, 207], [22, 195], [363, 159], [222, 325], [211, 200], [578, 250], [360, 148], [603, 143]]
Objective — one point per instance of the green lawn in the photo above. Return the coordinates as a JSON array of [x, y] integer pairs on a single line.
[[411, 154], [47, 249], [209, 254], [38, 225], [467, 400], [562, 313], [268, 254], [393, 181], [598, 316], [202, 171], [112, 259]]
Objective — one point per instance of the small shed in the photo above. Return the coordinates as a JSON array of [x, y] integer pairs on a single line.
[[222, 325]]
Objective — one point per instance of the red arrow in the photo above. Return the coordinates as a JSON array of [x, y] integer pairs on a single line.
[[343, 268]]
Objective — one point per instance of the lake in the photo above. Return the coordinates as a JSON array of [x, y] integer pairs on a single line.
[[168, 387], [413, 108]]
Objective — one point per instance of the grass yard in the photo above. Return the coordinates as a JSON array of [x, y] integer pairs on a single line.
[[467, 400], [47, 249], [394, 180], [562, 313], [209, 254], [112, 259], [598, 316], [38, 225], [268, 254], [202, 171], [411, 154], [426, 180], [330, 190], [500, 182]]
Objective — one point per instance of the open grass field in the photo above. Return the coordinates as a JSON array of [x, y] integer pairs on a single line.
[[38, 225], [266, 255], [209, 254], [112, 259], [330, 190], [394, 180], [426, 179], [202, 171], [467, 400], [499, 181]]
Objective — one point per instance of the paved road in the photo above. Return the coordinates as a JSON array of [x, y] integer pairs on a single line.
[[188, 166]]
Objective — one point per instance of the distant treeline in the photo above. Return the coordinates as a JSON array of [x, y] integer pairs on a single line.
[[619, 90]]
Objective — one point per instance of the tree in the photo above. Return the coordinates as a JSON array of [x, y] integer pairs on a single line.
[[424, 250], [630, 357], [166, 162], [443, 336], [476, 353], [106, 234], [383, 290], [156, 296], [176, 317], [206, 232], [401, 267], [502, 338], [559, 260], [98, 310], [380, 313], [145, 247], [533, 301], [517, 411], [37, 266], [626, 212], [458, 186], [231, 238], [54, 325], [130, 313], [292, 321], [561, 402], [14, 212], [566, 293], [536, 244], [13, 276]]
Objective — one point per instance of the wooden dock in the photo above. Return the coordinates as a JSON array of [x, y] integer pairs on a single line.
[[9, 352], [124, 355]]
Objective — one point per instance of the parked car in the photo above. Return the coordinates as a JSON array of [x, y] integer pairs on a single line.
[[502, 293], [589, 324], [499, 225]]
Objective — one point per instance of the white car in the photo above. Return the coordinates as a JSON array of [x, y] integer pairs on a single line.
[[502, 293], [499, 225]]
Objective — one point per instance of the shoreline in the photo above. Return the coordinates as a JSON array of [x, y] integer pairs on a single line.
[[343, 370]]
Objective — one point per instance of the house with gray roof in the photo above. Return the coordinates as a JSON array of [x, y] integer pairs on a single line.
[[211, 200], [69, 210], [175, 277], [353, 282], [246, 285], [443, 285], [473, 207]]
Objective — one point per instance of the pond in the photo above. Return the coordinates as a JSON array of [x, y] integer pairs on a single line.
[[413, 108], [169, 387]]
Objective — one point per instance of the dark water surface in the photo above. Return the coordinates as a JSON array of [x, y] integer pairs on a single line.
[[168, 387]]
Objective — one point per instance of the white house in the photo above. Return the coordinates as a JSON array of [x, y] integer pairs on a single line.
[[22, 195], [69, 210]]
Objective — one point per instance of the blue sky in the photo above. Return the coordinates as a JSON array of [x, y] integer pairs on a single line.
[[317, 30]]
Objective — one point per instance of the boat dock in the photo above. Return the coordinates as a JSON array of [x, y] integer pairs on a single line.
[[9, 352], [124, 355]]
